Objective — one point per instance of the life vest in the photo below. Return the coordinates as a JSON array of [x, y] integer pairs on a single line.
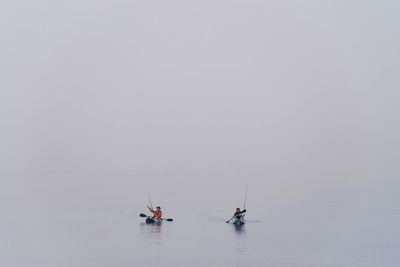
[[157, 213], [238, 215]]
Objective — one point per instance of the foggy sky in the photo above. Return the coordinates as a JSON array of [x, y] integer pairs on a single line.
[[302, 94]]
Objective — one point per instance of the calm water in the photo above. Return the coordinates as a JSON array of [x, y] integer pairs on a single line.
[[95, 222]]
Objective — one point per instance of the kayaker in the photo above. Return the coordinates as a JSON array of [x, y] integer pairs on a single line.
[[238, 215], [156, 213]]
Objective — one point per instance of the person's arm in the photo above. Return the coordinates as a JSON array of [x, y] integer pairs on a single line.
[[150, 209]]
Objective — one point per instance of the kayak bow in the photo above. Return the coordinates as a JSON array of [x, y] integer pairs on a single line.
[[238, 222]]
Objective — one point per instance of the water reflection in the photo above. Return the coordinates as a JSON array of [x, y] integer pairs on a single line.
[[240, 236], [240, 230], [152, 230]]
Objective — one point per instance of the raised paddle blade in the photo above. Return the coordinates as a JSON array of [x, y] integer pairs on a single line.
[[142, 215], [170, 220]]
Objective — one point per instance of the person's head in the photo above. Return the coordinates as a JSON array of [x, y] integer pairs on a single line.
[[237, 209], [158, 208]]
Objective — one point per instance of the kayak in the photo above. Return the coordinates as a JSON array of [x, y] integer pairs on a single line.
[[238, 222], [153, 220]]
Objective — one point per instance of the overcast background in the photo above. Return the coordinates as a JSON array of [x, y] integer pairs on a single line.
[[104, 101]]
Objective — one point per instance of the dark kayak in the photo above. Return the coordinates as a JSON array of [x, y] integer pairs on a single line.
[[153, 220], [238, 222]]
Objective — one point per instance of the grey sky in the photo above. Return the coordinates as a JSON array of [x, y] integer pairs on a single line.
[[278, 89]]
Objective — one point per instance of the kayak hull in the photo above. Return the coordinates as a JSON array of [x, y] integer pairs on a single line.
[[152, 220], [238, 222]]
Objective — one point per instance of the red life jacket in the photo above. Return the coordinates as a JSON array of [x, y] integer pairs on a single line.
[[157, 213]]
